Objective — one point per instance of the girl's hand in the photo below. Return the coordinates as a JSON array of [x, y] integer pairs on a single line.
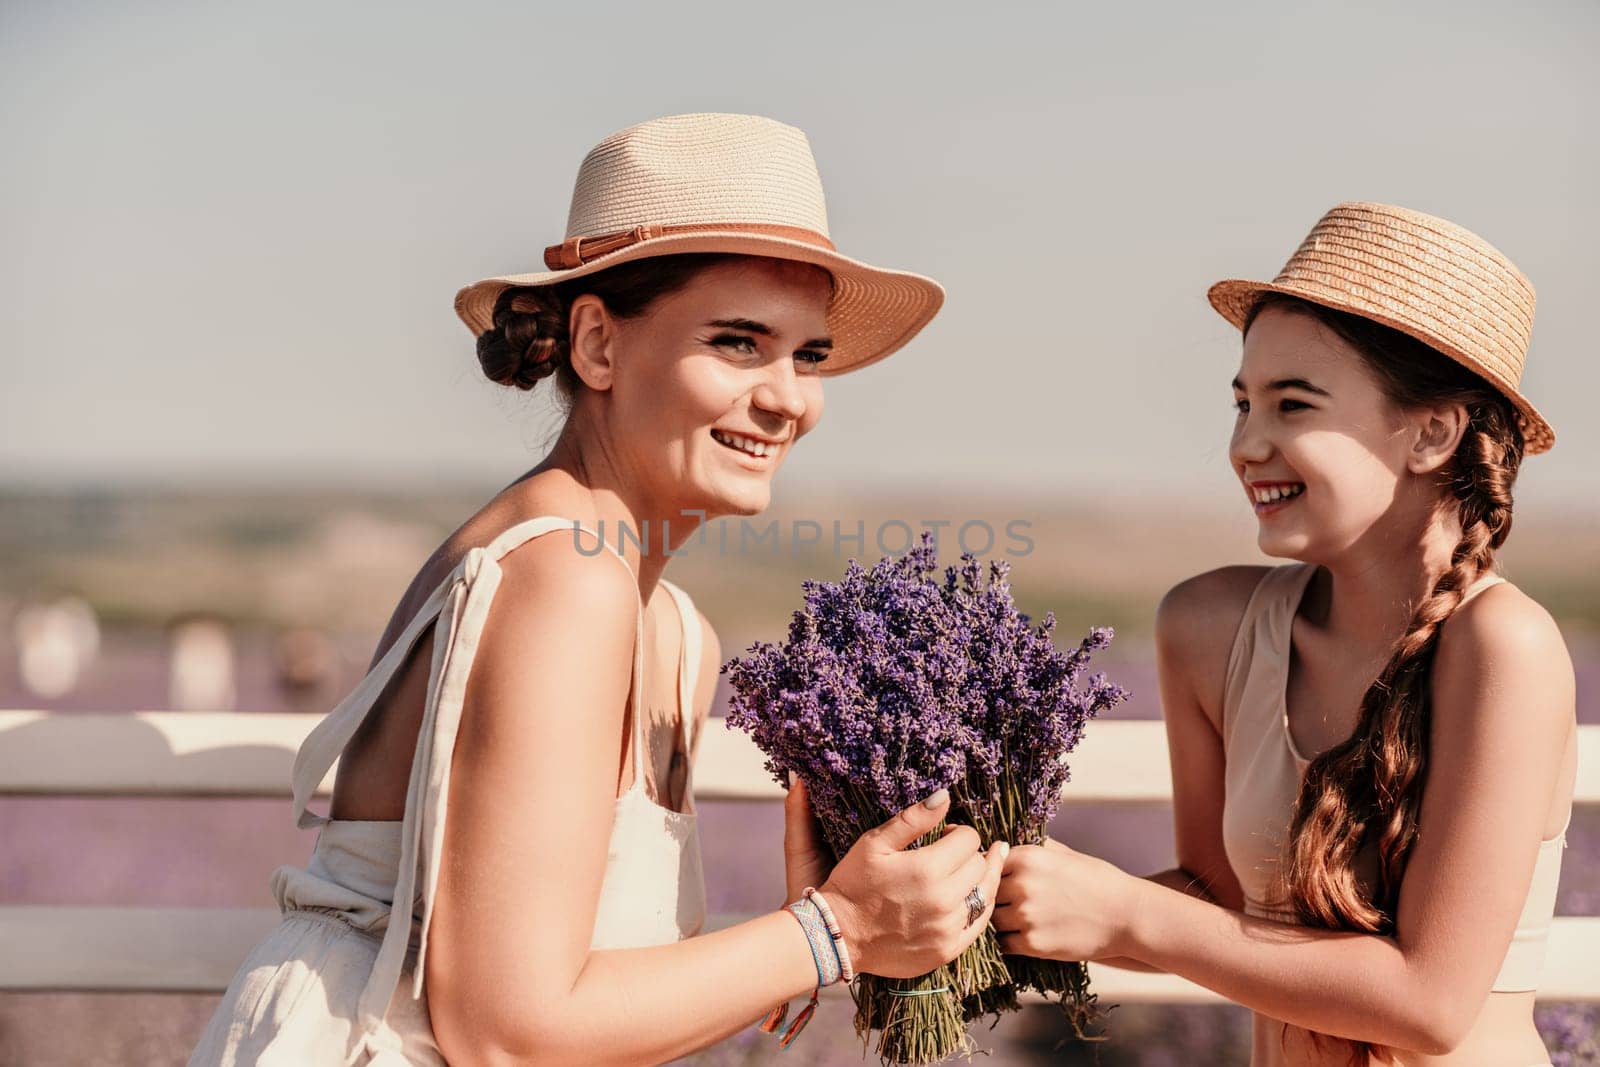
[[903, 913], [1056, 903]]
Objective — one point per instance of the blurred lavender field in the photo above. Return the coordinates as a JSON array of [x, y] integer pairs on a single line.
[[273, 603]]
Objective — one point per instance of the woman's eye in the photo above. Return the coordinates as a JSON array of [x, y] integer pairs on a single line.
[[1291, 405], [737, 342], [1242, 406], [810, 356]]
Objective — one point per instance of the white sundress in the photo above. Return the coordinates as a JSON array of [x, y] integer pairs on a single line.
[[326, 986]]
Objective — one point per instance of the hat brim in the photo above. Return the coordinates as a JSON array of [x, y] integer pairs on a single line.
[[874, 311], [1235, 299]]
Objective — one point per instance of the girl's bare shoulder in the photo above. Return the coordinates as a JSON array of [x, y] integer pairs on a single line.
[[1200, 615], [1505, 635], [1195, 626]]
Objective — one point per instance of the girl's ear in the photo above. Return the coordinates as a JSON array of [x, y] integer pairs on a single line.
[[591, 333], [1437, 434]]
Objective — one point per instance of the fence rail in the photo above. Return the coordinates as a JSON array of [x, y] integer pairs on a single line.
[[230, 754]]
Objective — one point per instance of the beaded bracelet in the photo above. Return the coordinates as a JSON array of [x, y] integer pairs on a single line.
[[825, 954], [846, 972]]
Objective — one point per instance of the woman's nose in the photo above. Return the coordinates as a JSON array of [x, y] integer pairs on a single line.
[[780, 391]]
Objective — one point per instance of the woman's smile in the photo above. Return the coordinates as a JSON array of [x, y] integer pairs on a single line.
[[757, 453]]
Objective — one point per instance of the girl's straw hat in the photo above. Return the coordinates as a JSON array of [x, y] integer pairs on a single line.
[[1426, 277], [720, 183]]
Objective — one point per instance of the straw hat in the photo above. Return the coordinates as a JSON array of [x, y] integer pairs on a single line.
[[720, 183], [1426, 277]]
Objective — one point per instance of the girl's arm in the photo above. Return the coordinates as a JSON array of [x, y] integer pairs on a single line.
[[1195, 626], [1503, 718], [1175, 878], [509, 971]]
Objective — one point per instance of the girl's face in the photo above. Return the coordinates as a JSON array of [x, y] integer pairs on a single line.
[[1320, 450], [711, 388]]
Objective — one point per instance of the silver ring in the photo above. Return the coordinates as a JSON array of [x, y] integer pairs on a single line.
[[975, 905]]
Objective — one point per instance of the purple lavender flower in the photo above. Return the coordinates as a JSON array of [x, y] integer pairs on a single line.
[[892, 685], [1571, 1032]]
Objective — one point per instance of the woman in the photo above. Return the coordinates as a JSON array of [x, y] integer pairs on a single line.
[[549, 699], [1373, 749]]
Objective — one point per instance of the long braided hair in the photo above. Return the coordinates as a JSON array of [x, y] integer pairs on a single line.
[[1368, 789]]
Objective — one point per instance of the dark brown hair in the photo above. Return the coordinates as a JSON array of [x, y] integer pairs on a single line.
[[1368, 789], [528, 341]]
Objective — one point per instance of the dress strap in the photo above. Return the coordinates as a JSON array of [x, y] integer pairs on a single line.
[[1486, 581], [460, 605], [327, 740], [1264, 632]]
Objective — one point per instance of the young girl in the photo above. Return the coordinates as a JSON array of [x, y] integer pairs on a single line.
[[1373, 749], [515, 769]]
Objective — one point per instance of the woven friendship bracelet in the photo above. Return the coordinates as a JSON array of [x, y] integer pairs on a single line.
[[826, 953], [823, 951], [846, 971]]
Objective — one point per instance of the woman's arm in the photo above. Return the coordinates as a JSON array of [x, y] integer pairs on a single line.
[[510, 975], [1503, 711]]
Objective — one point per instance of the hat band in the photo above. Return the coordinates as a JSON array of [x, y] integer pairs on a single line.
[[576, 251]]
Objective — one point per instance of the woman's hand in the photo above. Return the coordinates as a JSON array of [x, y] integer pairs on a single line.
[[807, 860], [903, 913], [1056, 903]]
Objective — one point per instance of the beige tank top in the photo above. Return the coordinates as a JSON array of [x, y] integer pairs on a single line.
[[1263, 773], [653, 891]]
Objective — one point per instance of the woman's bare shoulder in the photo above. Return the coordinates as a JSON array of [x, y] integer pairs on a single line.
[[572, 575], [542, 566], [559, 634], [504, 511]]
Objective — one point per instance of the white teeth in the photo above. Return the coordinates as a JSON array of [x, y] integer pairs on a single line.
[[745, 444], [1273, 493]]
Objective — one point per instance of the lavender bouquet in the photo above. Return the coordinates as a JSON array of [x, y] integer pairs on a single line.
[[892, 685]]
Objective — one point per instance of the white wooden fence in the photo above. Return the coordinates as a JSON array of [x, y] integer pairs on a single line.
[[190, 754]]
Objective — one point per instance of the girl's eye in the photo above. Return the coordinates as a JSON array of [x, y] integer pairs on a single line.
[[1242, 406], [806, 355]]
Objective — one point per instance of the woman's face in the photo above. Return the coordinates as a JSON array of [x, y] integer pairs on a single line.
[[715, 383], [1319, 448]]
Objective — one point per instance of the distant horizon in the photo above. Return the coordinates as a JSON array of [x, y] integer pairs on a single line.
[[1542, 503]]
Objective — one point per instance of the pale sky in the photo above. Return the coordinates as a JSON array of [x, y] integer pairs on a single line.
[[230, 234]]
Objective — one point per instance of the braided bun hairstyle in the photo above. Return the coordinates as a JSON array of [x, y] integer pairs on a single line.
[[528, 341], [1368, 789]]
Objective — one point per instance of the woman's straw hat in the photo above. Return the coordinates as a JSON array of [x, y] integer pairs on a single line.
[[1426, 277], [720, 183]]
